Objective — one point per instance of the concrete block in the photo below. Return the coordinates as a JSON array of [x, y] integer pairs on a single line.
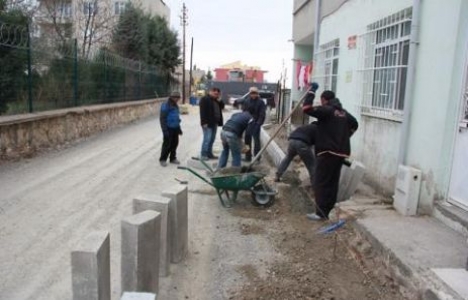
[[138, 296], [140, 252], [350, 179], [161, 205], [456, 279], [273, 150], [178, 216], [90, 263]]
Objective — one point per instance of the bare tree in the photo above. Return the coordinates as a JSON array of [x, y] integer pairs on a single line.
[[94, 23], [55, 19]]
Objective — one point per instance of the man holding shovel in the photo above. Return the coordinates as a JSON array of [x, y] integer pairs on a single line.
[[335, 126]]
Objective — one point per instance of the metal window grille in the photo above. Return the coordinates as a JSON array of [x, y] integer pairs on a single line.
[[383, 60], [325, 71]]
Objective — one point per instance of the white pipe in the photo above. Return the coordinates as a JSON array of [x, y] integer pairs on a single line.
[[318, 16], [409, 93]]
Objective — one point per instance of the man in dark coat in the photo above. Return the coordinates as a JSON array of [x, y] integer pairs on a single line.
[[257, 108], [211, 116], [335, 126], [170, 124]]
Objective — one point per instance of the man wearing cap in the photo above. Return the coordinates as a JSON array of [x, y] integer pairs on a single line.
[[257, 108], [170, 124], [211, 116]]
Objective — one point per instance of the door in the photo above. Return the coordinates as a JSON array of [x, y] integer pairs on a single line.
[[458, 193]]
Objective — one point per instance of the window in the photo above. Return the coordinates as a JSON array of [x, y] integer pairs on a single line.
[[64, 10], [120, 7], [325, 70], [384, 53], [90, 8]]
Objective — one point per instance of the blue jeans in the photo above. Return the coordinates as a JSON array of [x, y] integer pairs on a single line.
[[253, 132], [209, 136], [231, 142]]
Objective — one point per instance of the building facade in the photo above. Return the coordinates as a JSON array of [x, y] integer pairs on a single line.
[[237, 71], [404, 76]]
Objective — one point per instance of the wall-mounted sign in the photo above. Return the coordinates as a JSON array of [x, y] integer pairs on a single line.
[[352, 40]]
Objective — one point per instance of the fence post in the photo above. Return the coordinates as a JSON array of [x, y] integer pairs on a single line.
[[30, 96], [75, 73], [139, 80], [105, 76]]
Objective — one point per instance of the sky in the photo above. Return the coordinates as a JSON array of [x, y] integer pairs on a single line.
[[256, 32]]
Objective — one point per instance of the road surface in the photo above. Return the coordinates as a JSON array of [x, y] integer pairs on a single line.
[[48, 203]]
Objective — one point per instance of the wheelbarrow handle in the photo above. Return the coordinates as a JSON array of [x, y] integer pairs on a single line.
[[195, 173]]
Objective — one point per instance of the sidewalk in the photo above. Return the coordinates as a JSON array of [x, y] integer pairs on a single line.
[[423, 254]]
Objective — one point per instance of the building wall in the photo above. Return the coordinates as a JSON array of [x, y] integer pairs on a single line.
[[436, 96], [156, 7], [222, 74]]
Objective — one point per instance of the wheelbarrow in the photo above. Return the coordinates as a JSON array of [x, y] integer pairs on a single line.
[[228, 186]]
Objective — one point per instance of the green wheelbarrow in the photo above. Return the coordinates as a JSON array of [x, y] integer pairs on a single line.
[[228, 186]]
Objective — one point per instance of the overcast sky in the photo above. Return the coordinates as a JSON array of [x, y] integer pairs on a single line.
[[253, 31]]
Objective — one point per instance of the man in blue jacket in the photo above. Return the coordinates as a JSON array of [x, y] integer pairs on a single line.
[[170, 125], [335, 126], [257, 108]]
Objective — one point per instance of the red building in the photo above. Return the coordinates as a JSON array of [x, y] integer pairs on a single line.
[[236, 71]]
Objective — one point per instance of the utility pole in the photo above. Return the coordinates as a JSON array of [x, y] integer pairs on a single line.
[[184, 23], [191, 68]]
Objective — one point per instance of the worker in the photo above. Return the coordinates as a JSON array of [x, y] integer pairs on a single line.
[[231, 138], [301, 142], [211, 116], [170, 124], [335, 126], [257, 108]]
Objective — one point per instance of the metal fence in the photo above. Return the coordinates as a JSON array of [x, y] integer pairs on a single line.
[[36, 75]]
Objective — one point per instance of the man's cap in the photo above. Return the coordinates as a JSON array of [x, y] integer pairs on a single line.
[[175, 94], [253, 90]]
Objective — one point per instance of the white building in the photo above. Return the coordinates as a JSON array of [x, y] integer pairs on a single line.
[[90, 21], [367, 52]]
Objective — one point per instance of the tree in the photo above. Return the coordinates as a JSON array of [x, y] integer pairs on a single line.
[[13, 62], [94, 22], [209, 75], [146, 38]]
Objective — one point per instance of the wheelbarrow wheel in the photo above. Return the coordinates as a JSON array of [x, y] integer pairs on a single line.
[[262, 199]]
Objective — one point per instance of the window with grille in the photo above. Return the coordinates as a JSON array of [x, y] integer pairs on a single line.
[[90, 8], [120, 7], [325, 71], [384, 53]]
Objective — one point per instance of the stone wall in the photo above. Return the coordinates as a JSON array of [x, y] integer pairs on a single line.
[[23, 135]]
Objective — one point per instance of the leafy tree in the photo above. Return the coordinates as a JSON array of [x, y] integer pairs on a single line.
[[146, 38], [13, 62], [209, 75]]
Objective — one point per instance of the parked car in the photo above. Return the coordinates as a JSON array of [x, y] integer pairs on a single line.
[[267, 97], [233, 98]]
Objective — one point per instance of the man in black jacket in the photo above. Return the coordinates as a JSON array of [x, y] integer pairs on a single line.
[[211, 116], [301, 142], [335, 126], [257, 108]]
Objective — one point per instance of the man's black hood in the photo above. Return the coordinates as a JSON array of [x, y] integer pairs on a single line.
[[335, 103]]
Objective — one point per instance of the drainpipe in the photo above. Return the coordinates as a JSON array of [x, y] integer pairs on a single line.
[[414, 42], [318, 16]]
